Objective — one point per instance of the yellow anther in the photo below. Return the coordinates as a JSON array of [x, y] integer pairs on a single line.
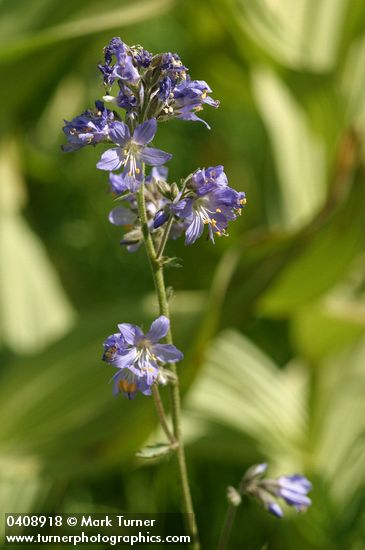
[[243, 201], [204, 94], [213, 222], [218, 210], [137, 170], [219, 233]]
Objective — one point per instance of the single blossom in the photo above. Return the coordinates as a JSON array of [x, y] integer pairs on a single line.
[[89, 128], [189, 97], [206, 201], [140, 354], [132, 151], [123, 69]]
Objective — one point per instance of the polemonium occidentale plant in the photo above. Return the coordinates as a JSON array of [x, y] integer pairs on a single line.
[[143, 90]]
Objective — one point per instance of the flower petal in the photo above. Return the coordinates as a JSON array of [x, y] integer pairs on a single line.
[[159, 329], [195, 230], [160, 218], [160, 173], [131, 333], [122, 216], [145, 132], [167, 353], [125, 358], [153, 156], [295, 499], [119, 133], [295, 483], [111, 159], [275, 509], [125, 380], [183, 209]]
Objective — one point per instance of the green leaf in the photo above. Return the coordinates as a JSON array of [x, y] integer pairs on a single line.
[[324, 328], [318, 265], [154, 451], [298, 152]]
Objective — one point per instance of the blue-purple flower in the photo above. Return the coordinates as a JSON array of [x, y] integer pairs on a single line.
[[184, 99], [206, 201], [292, 489], [89, 128], [188, 98], [138, 356], [123, 67], [132, 151]]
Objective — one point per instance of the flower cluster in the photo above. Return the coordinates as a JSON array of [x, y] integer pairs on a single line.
[[150, 89], [155, 85], [144, 89], [292, 489], [139, 358]]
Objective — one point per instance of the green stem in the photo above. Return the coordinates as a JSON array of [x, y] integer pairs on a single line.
[[158, 278], [162, 417], [164, 239], [227, 527]]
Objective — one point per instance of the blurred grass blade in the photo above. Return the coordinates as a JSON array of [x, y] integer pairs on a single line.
[[242, 389], [340, 417], [105, 20], [34, 309], [22, 487], [299, 154], [353, 84], [301, 34], [321, 263]]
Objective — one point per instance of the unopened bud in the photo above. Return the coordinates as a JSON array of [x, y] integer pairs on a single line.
[[233, 496]]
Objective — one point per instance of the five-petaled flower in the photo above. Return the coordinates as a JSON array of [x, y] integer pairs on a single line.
[[138, 356], [206, 200], [132, 151]]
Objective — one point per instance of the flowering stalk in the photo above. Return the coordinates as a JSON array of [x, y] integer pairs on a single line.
[[292, 489], [151, 89], [158, 278]]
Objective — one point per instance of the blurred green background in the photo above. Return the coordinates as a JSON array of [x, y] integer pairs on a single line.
[[271, 319]]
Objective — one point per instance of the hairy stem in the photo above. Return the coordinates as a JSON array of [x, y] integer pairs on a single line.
[[158, 278], [162, 417]]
